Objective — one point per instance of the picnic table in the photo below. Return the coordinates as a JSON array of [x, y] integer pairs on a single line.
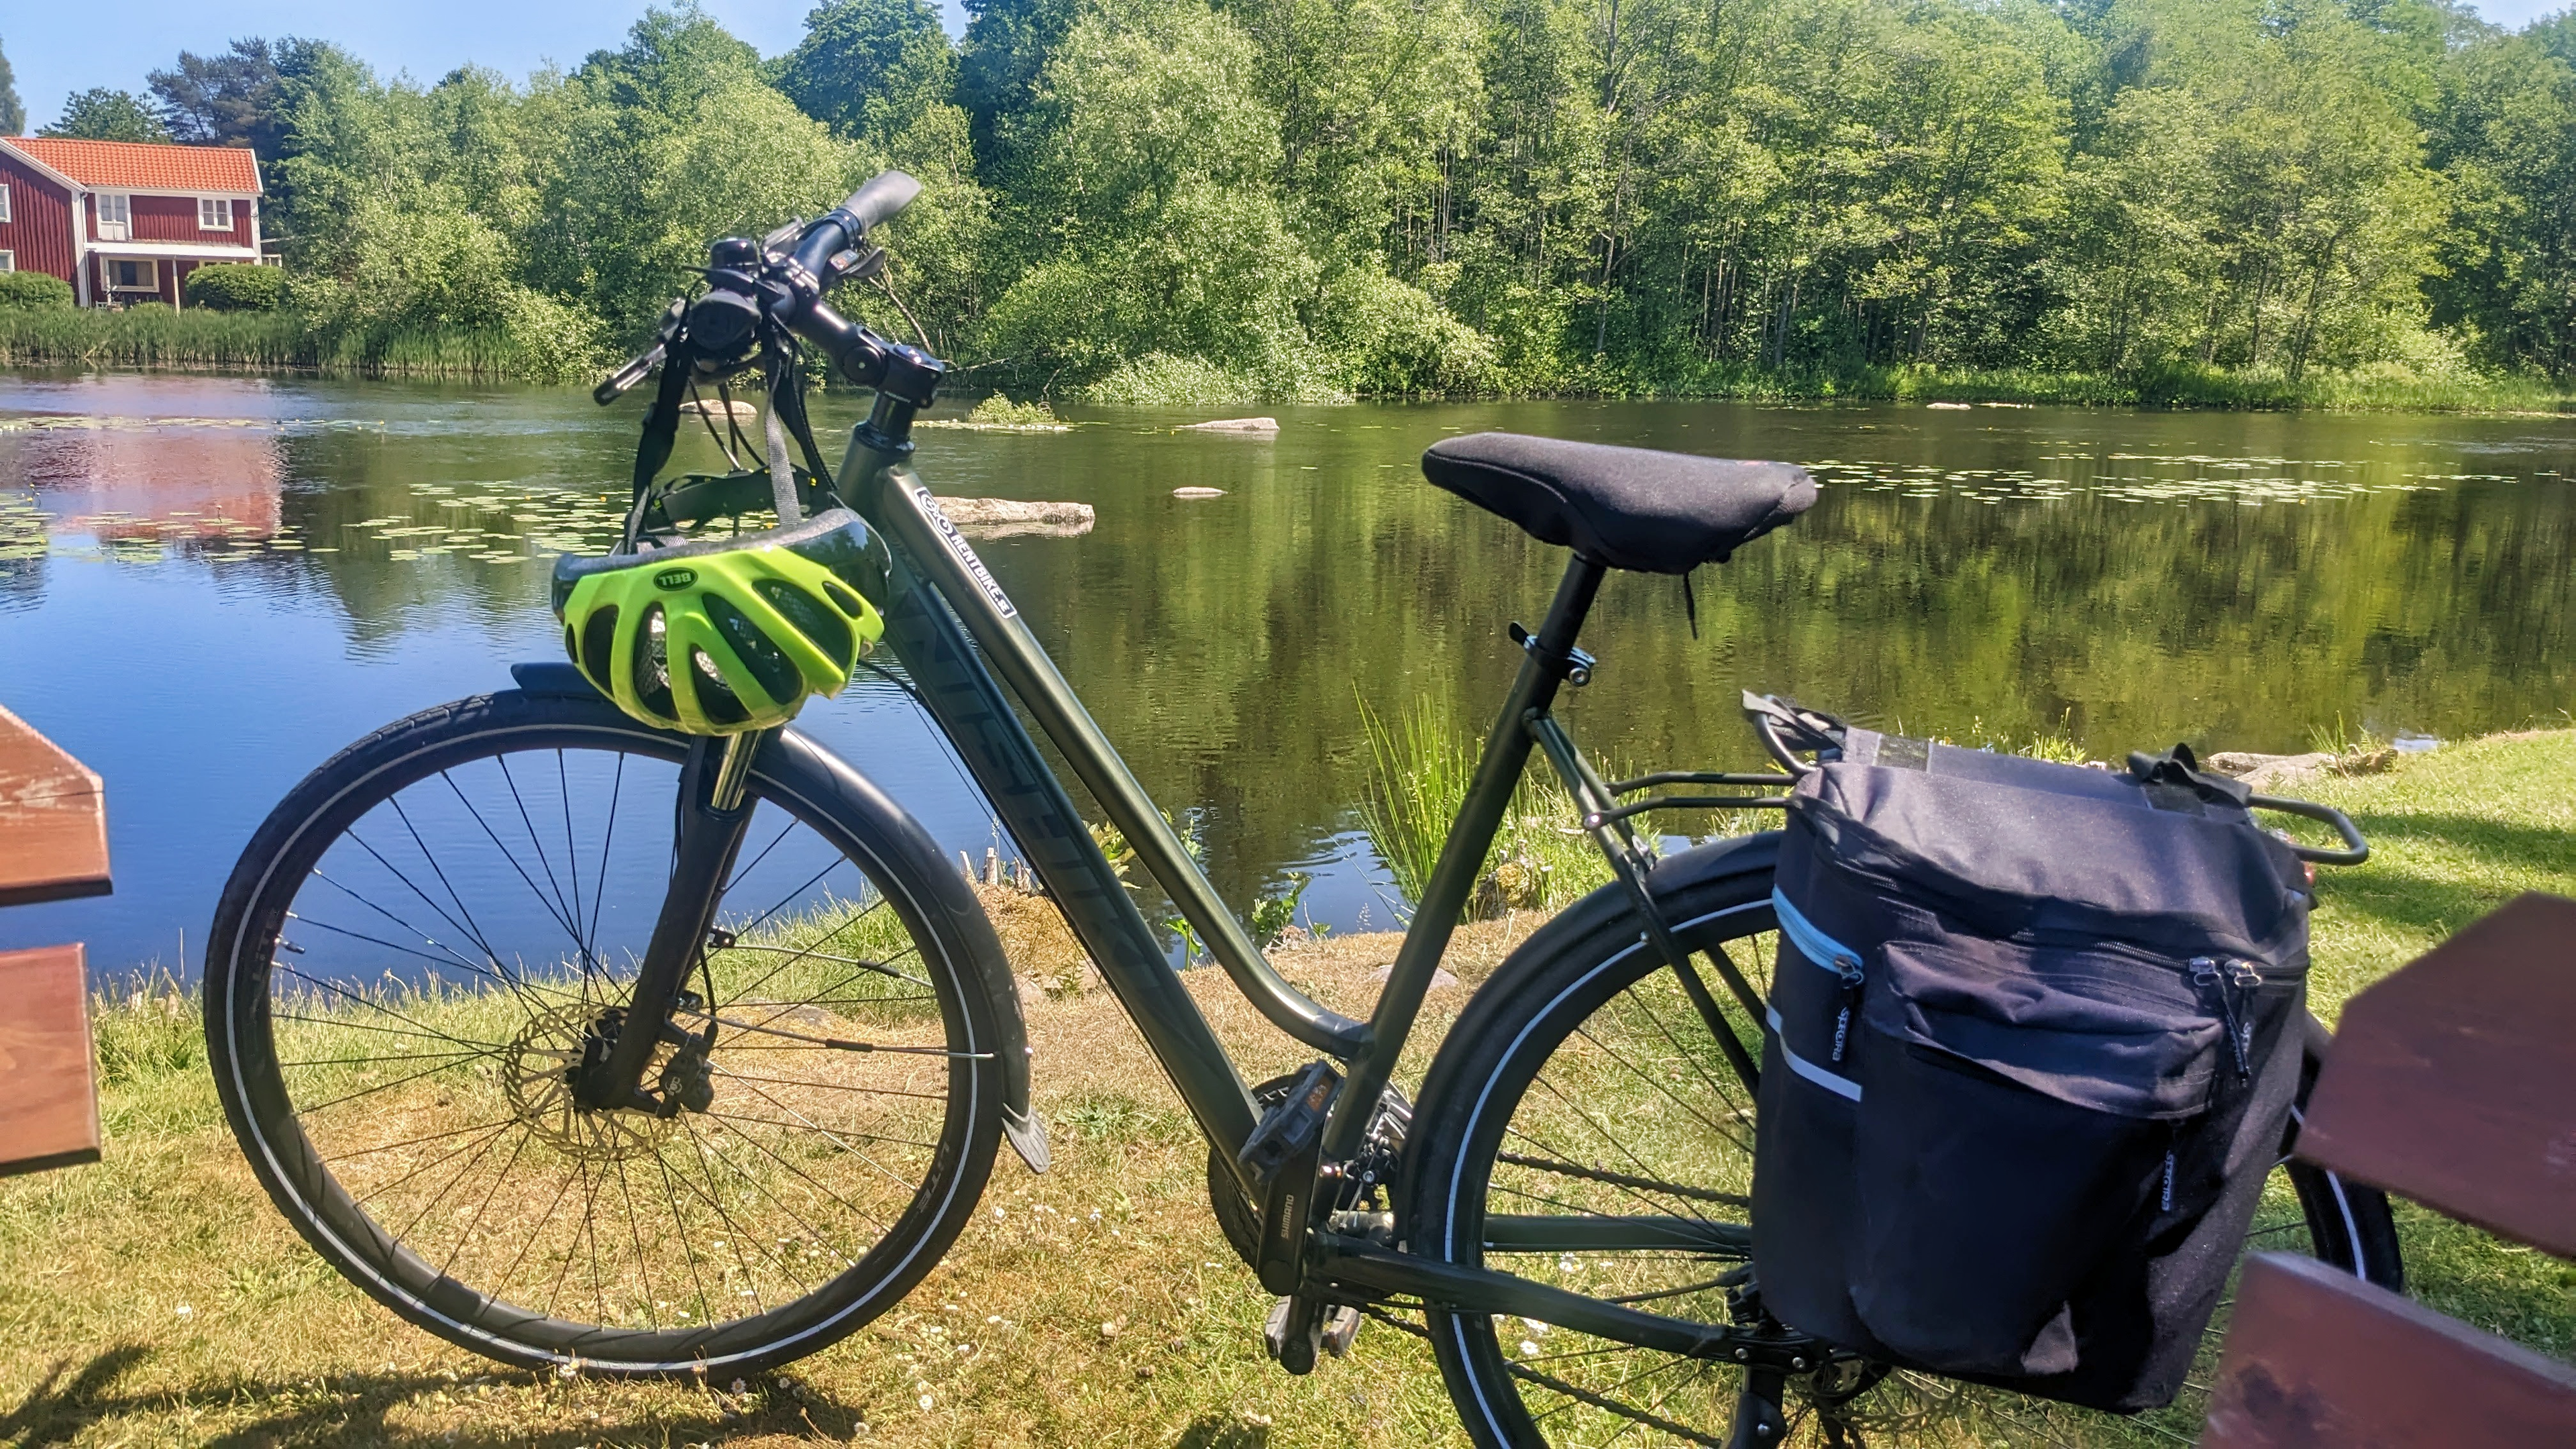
[[53, 846], [2452, 1082]]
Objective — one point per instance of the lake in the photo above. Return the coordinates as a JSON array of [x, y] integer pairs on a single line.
[[209, 584]]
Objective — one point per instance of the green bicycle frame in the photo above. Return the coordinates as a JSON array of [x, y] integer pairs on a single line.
[[955, 630]]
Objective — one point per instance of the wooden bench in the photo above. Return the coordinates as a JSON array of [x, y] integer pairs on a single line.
[[53, 846], [2452, 1082]]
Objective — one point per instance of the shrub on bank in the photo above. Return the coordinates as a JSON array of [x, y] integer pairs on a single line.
[[34, 292], [237, 287]]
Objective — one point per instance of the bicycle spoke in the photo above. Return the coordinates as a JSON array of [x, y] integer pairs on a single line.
[[440, 1104]]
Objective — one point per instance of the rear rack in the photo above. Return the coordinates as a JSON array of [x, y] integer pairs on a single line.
[[1776, 720]]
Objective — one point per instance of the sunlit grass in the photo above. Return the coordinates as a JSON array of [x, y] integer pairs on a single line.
[[95, 1262]]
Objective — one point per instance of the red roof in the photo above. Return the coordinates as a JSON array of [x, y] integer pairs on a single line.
[[147, 167]]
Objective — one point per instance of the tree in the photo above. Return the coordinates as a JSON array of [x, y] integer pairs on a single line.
[[869, 67], [1008, 45], [222, 100], [13, 116], [102, 114], [1154, 165], [2504, 135]]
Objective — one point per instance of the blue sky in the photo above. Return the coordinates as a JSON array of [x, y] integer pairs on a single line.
[[57, 49]]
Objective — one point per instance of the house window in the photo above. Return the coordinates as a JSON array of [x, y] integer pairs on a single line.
[[8, 261], [115, 216], [214, 213], [4, 201], [142, 276]]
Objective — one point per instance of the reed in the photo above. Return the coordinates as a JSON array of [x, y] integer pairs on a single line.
[[154, 337]]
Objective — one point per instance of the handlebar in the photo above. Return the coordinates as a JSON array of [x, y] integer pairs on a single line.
[[790, 289], [849, 223]]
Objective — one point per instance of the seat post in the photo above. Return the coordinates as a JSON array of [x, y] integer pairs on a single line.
[[1462, 856], [1553, 646]]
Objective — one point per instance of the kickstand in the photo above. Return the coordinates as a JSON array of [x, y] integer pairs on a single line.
[[1759, 1422]]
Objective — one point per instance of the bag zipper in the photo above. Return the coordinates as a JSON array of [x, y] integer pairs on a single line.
[[1831, 954], [2224, 981], [1849, 970]]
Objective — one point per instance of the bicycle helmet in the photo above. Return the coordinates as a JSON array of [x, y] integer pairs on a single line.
[[724, 635]]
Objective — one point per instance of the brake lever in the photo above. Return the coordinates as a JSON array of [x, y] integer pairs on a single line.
[[635, 371], [642, 364]]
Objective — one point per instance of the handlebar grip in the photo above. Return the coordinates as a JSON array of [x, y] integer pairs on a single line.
[[869, 207], [877, 202]]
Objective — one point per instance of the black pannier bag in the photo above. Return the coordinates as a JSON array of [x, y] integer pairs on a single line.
[[2035, 1033]]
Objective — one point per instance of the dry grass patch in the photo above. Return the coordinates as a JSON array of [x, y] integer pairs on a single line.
[[1095, 1305]]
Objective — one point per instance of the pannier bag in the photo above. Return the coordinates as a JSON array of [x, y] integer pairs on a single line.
[[2035, 1032]]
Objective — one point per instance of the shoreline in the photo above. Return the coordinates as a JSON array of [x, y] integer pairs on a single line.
[[467, 358]]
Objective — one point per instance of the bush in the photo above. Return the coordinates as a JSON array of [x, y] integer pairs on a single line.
[[34, 291], [236, 287]]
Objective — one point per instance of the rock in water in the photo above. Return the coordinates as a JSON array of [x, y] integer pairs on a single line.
[[1005, 517], [1198, 493], [1234, 425], [715, 408]]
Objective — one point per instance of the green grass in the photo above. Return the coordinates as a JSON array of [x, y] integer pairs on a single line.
[[266, 342], [2386, 387], [1133, 1326]]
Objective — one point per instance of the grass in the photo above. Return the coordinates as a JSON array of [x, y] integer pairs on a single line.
[[2386, 387], [1097, 1304], [265, 342]]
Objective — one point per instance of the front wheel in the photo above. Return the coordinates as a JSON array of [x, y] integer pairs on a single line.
[[431, 935], [1580, 1127]]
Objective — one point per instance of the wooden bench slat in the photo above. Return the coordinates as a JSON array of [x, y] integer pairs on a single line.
[[53, 820], [48, 1093], [2454, 1080], [2318, 1359]]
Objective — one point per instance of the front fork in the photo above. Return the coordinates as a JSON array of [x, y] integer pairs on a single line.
[[712, 819]]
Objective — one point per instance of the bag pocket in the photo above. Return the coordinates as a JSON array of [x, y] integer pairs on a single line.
[[2024, 1108]]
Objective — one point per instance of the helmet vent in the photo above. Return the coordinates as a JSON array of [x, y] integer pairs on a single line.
[[848, 602], [652, 670], [718, 701], [598, 646], [777, 674], [811, 619]]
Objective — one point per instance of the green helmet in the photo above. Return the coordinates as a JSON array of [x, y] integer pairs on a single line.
[[724, 635]]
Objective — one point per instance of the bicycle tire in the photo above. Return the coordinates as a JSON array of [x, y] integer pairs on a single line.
[[1502, 1075], [916, 949]]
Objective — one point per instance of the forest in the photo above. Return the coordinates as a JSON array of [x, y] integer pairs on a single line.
[[1178, 200]]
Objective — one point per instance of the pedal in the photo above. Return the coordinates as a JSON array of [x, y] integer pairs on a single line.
[[1294, 1335], [1292, 1128], [1340, 1326]]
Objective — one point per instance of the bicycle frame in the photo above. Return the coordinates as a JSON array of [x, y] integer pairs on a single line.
[[961, 640]]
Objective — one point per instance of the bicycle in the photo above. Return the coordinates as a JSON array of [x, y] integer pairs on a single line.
[[486, 1136]]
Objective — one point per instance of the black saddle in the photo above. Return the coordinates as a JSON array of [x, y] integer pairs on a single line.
[[1622, 508]]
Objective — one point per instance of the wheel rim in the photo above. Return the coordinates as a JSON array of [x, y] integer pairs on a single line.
[[1551, 1147], [442, 955], [1635, 1114]]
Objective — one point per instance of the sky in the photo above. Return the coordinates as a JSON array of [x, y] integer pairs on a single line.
[[57, 49]]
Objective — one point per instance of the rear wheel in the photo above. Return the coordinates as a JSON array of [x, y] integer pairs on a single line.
[[1581, 1108], [433, 931]]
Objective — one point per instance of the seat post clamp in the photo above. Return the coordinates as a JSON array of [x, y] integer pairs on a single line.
[[1574, 666]]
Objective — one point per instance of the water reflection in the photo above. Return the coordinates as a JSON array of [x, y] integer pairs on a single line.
[[205, 609]]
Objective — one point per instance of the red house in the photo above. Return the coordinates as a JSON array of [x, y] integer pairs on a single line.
[[123, 221]]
